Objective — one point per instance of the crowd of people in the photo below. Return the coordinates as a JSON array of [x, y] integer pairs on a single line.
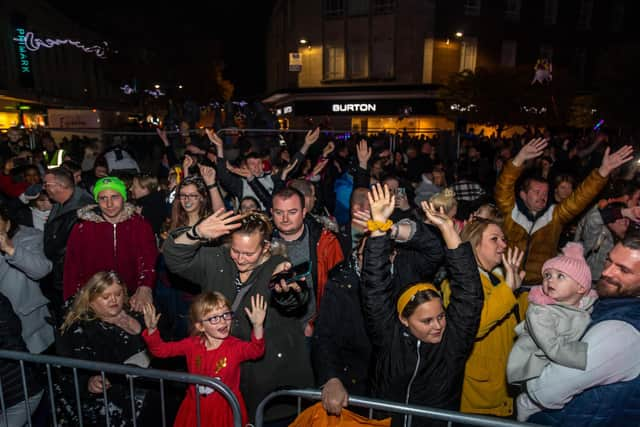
[[501, 280]]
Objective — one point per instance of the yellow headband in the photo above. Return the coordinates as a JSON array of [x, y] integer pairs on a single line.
[[411, 292]]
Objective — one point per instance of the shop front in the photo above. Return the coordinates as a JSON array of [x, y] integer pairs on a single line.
[[365, 112]]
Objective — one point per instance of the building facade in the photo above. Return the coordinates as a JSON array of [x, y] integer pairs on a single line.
[[358, 52], [48, 60]]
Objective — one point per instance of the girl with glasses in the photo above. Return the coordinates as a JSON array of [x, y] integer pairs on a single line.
[[211, 351], [191, 204]]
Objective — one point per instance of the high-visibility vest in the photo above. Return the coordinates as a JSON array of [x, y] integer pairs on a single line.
[[55, 160]]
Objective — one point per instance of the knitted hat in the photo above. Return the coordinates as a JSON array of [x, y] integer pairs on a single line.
[[571, 263], [110, 183]]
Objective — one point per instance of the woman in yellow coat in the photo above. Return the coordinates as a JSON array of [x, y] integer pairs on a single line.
[[485, 383]]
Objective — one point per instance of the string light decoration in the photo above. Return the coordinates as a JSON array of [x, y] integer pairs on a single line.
[[33, 44]]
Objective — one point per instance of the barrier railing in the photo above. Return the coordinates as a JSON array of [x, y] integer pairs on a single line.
[[383, 405], [131, 373]]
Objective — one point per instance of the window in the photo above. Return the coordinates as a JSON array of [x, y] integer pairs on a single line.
[[512, 10], [617, 16], [383, 56], [333, 62], [472, 7], [358, 61], [550, 12], [384, 7], [584, 14], [508, 57], [333, 8], [358, 7], [468, 54]]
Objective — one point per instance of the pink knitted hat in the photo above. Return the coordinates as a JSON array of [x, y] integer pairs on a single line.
[[571, 263]]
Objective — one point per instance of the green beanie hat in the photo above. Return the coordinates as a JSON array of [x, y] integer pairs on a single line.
[[110, 183]]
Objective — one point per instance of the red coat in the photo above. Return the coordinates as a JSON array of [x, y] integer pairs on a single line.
[[222, 363], [129, 248]]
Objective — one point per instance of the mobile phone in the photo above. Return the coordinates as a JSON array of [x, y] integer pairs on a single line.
[[294, 274], [402, 192]]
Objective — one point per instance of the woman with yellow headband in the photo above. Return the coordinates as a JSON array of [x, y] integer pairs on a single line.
[[420, 348], [485, 382]]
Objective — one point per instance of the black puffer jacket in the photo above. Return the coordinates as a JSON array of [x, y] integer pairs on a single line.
[[11, 339], [408, 370]]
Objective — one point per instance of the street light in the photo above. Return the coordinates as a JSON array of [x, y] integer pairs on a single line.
[[459, 34], [304, 41], [179, 86], [157, 86]]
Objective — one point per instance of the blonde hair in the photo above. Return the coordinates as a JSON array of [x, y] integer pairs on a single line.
[[445, 199], [203, 304], [148, 182], [474, 230], [95, 286]]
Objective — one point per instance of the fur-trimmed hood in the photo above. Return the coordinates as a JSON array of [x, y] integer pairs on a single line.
[[94, 214]]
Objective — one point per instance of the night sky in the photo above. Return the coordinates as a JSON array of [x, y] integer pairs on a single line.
[[186, 35]]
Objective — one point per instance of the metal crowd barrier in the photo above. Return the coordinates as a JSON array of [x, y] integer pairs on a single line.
[[383, 405], [131, 373]]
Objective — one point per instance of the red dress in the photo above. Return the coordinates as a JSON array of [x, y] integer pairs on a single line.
[[223, 363]]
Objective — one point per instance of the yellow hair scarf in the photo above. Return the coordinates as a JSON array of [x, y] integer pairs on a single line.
[[411, 292]]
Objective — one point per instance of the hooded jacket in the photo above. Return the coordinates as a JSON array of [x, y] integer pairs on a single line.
[[408, 370], [128, 247], [538, 235], [19, 275]]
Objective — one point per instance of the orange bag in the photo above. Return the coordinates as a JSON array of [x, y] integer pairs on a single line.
[[316, 416]]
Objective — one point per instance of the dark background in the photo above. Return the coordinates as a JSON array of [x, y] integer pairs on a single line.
[[182, 42]]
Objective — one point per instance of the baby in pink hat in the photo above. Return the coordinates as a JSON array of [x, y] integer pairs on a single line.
[[558, 315]]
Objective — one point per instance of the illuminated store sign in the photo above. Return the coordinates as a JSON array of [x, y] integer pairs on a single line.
[[342, 108], [33, 43], [23, 61]]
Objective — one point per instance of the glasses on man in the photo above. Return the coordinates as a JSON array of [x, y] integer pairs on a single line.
[[186, 197], [214, 320]]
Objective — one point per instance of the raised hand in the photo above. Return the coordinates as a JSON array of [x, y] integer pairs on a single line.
[[186, 164], [328, 149], [312, 136], [142, 296], [282, 285], [215, 140], [286, 171], [258, 310], [208, 174], [615, 160], [360, 219], [218, 224], [531, 150], [242, 171], [163, 136], [382, 203], [511, 263], [151, 318], [632, 213], [445, 224], [363, 152]]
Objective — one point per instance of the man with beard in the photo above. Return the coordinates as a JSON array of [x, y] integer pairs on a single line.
[[607, 392]]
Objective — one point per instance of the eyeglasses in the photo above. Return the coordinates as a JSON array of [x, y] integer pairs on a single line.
[[49, 184], [217, 318], [189, 196]]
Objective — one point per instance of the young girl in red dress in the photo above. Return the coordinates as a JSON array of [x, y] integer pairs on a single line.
[[212, 352]]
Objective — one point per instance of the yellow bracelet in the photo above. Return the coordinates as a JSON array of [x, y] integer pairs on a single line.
[[377, 225]]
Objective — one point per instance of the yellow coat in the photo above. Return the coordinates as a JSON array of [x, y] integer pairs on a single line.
[[485, 378], [543, 235]]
